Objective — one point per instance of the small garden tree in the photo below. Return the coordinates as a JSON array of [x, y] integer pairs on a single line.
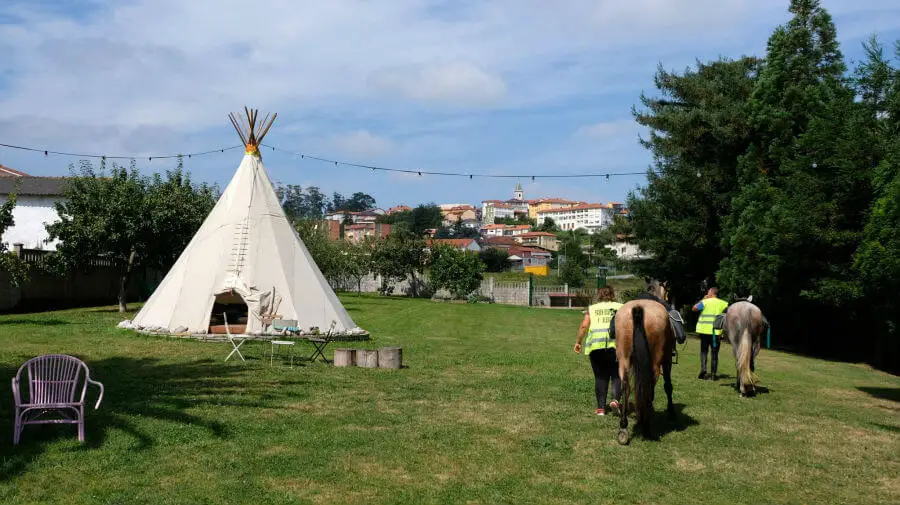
[[457, 271], [127, 219], [399, 256], [494, 259], [15, 269], [357, 260]]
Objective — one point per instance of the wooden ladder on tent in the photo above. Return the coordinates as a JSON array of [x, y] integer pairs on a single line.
[[239, 246]]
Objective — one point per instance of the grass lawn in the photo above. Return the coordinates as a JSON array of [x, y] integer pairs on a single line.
[[494, 407]]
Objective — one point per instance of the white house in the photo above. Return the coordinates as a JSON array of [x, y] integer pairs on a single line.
[[593, 217], [626, 249], [35, 208]]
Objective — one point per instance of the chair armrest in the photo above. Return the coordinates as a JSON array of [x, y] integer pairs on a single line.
[[100, 398], [15, 389]]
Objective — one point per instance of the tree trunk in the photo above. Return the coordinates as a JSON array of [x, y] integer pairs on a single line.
[[358, 286], [123, 287], [413, 289]]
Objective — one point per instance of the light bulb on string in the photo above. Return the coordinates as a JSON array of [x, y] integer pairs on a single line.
[[699, 174]]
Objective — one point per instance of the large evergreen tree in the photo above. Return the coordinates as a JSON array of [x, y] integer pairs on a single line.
[[698, 129], [796, 220]]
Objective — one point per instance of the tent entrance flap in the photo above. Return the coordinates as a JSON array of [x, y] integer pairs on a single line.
[[234, 306]]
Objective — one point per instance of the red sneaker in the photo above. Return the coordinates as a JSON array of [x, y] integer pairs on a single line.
[[600, 412], [614, 404]]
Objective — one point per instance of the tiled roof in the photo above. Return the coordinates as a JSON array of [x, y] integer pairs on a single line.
[[11, 172], [41, 186], [537, 234]]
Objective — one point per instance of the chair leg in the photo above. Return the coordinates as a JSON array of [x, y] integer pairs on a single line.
[[80, 415], [17, 428]]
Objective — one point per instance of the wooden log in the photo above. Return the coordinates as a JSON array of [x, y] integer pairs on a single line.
[[344, 357], [367, 358], [390, 357]]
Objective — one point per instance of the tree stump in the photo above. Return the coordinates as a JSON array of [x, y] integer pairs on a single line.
[[344, 357], [367, 358], [390, 357]]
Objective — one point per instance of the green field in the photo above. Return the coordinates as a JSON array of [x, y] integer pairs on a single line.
[[494, 407]]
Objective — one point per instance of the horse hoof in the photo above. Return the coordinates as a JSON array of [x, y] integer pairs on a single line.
[[622, 437]]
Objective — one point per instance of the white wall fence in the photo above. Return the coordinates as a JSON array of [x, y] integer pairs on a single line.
[[505, 292]]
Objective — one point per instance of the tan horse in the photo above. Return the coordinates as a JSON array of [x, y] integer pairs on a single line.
[[644, 344], [744, 326]]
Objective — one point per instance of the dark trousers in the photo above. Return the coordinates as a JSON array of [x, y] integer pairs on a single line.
[[705, 344], [605, 366]]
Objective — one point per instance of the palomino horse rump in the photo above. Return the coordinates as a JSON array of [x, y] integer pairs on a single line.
[[644, 344]]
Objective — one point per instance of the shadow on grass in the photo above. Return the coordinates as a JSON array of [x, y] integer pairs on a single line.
[[758, 390], [892, 394], [135, 388], [34, 322], [887, 427], [662, 425]]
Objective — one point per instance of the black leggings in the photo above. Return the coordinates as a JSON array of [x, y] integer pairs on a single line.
[[705, 344], [605, 366]]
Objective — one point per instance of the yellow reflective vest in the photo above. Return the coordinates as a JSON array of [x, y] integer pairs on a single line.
[[712, 307], [598, 336]]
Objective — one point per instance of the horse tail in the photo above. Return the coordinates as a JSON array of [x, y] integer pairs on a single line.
[[744, 353], [641, 363]]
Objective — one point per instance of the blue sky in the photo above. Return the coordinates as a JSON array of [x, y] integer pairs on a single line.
[[508, 86]]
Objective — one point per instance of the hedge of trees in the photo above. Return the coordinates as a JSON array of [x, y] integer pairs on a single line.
[[778, 176]]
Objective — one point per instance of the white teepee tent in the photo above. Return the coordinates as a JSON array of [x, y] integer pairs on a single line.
[[245, 250]]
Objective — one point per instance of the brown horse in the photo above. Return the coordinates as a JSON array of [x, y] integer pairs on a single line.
[[644, 344]]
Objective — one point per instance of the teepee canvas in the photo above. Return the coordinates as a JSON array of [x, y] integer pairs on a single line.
[[245, 253]]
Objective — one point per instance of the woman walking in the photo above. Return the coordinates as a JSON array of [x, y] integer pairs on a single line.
[[601, 347]]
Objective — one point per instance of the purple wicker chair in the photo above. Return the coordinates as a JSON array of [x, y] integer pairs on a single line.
[[53, 381]]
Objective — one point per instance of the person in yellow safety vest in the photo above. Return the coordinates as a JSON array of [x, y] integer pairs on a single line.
[[601, 347], [709, 307]]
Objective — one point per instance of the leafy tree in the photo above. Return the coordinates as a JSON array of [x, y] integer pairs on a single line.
[[175, 209], [549, 225], [459, 272], [399, 256], [301, 204], [357, 260], [15, 269], [877, 260], [805, 181], [698, 131], [572, 273], [315, 236], [421, 218], [128, 219], [494, 259], [338, 202], [359, 202], [520, 219]]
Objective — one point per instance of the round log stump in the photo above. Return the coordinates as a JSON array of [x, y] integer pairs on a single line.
[[367, 358], [390, 357], [344, 357]]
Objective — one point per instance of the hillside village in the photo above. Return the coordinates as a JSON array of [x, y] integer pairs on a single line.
[[526, 229]]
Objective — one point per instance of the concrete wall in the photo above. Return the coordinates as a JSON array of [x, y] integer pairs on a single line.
[[31, 214]]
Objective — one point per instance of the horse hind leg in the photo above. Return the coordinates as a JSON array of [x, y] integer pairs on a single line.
[[622, 436], [667, 383]]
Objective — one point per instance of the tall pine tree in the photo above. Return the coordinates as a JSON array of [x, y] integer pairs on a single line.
[[804, 189], [698, 129]]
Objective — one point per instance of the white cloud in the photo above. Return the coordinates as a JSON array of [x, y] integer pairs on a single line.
[[457, 82], [609, 129], [363, 144]]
